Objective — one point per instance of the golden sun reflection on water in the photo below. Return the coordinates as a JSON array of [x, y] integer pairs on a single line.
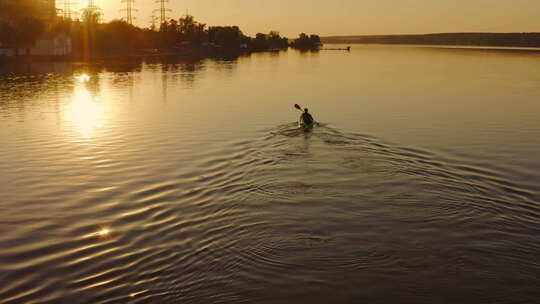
[[103, 233], [84, 112], [83, 78]]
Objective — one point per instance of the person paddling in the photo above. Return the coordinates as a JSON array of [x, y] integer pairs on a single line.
[[306, 120]]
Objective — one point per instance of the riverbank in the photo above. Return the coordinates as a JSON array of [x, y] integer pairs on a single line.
[[199, 53]]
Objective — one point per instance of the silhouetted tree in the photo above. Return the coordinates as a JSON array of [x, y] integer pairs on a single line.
[[20, 23], [269, 41], [227, 36], [90, 22], [306, 42], [315, 40], [191, 30], [117, 36], [28, 30], [276, 41]]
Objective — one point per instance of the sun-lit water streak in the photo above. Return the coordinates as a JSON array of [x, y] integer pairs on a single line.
[[85, 112], [83, 78], [105, 232]]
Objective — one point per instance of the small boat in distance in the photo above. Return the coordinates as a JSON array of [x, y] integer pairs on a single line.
[[306, 121]]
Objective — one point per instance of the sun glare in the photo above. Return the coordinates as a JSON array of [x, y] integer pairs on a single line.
[[104, 232], [83, 78], [85, 113]]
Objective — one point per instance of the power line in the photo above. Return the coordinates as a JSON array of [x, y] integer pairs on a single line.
[[129, 10]]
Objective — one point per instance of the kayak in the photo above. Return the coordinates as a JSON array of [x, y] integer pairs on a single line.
[[305, 125]]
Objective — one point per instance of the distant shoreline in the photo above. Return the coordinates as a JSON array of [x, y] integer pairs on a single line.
[[522, 40]]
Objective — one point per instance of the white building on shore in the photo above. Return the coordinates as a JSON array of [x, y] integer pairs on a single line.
[[53, 45]]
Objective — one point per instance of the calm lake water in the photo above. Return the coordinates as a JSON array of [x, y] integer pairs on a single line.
[[188, 181]]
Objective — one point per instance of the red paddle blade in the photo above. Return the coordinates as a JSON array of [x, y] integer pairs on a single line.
[[298, 107]]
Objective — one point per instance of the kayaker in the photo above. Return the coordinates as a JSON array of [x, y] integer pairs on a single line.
[[306, 118]]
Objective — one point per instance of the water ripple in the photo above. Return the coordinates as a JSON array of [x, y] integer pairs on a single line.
[[134, 213]]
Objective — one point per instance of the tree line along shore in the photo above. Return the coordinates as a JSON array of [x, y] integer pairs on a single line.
[[89, 37], [464, 39]]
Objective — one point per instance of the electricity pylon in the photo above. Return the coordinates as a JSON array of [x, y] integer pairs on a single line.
[[94, 9], [67, 11], [153, 20], [129, 10], [163, 10]]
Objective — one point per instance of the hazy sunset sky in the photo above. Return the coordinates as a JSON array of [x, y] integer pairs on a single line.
[[347, 17]]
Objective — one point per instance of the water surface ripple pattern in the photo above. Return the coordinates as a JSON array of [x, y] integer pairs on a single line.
[[149, 200]]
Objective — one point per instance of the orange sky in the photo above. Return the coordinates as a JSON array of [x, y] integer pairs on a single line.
[[343, 17]]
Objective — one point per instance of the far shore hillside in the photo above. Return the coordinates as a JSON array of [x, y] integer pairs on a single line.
[[471, 39]]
